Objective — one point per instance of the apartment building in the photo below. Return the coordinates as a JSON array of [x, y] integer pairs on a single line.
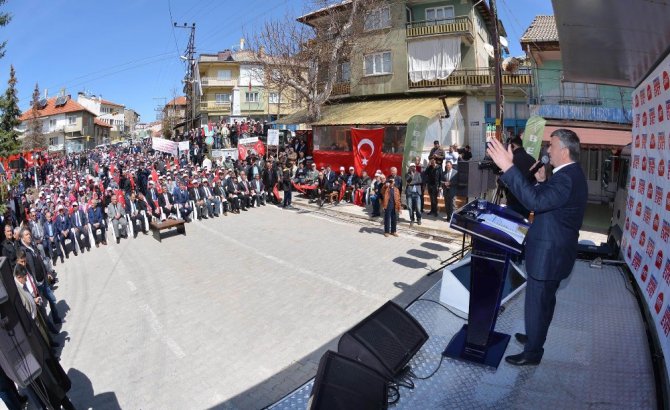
[[107, 111]]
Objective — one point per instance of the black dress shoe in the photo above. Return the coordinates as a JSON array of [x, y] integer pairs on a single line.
[[522, 360], [521, 338]]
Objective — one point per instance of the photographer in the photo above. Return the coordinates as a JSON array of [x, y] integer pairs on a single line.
[[391, 205]]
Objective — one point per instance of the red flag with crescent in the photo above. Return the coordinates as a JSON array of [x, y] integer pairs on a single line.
[[259, 147], [242, 152], [367, 147]]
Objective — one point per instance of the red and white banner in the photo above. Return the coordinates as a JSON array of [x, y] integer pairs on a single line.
[[163, 145], [646, 238], [367, 147]]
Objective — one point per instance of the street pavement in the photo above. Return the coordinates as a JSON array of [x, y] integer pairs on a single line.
[[236, 313]]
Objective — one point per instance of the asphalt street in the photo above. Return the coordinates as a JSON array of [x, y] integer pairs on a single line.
[[233, 315]]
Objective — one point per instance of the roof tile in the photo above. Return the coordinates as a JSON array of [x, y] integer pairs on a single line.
[[542, 29]]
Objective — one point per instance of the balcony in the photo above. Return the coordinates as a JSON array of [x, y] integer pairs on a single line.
[[216, 82], [475, 77], [341, 88], [461, 25], [616, 111], [212, 106]]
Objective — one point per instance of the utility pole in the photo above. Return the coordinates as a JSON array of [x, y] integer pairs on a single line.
[[189, 78], [497, 82]]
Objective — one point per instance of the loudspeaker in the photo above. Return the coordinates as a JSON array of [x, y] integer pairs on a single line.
[[472, 181], [342, 383], [385, 341]]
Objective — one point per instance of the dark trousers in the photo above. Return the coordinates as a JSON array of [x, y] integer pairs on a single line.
[[288, 195], [413, 206], [101, 237], [539, 310], [449, 203], [82, 238], [432, 192], [69, 236], [138, 221], [390, 220]]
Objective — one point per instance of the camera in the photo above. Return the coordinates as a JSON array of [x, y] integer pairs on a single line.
[[487, 163]]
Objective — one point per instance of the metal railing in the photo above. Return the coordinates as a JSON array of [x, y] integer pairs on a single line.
[[341, 88], [456, 25], [475, 77], [214, 106]]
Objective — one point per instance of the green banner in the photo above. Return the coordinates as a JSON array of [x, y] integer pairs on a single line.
[[532, 135], [414, 140]]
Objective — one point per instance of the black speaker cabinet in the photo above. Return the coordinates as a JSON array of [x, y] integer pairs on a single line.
[[342, 383], [386, 340], [472, 181]]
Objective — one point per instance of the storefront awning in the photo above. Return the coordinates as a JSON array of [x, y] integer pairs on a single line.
[[380, 112], [595, 136]]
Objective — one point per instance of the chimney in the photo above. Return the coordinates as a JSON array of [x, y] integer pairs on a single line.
[[241, 44], [46, 93], [261, 51]]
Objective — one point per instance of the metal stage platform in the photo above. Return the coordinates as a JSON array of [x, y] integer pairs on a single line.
[[596, 354]]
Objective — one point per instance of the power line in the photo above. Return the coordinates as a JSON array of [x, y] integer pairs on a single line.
[[172, 23]]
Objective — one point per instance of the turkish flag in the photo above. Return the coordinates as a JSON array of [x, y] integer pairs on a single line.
[[154, 175], [259, 147], [367, 147], [242, 152]]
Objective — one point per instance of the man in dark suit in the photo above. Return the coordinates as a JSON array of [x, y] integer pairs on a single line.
[[432, 177], [166, 202], [212, 202], [257, 191], [551, 243], [524, 161], [9, 246], [232, 192], [196, 196], [63, 226], [96, 217], [80, 226], [51, 238], [134, 209], [449, 184]]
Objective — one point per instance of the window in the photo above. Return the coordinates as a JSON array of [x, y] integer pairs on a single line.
[[222, 99], [378, 19], [589, 159], [53, 141], [579, 91], [52, 124], [251, 97], [378, 63], [224, 75], [344, 72], [274, 98], [439, 15], [71, 120]]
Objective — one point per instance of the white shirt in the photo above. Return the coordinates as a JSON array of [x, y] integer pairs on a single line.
[[558, 168]]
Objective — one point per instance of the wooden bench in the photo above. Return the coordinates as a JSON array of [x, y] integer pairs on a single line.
[[157, 227]]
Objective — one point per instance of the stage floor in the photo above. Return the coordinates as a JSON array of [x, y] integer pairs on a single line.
[[596, 354]]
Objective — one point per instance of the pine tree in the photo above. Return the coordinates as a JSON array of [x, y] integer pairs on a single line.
[[5, 18], [9, 118], [34, 137]]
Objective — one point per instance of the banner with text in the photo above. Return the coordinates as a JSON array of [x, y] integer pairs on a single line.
[[184, 146], [163, 145], [414, 140], [532, 135], [647, 228]]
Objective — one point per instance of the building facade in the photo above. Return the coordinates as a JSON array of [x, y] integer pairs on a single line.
[[601, 115], [107, 111]]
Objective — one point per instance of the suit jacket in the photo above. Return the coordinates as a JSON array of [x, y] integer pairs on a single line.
[[50, 225], [9, 251], [82, 219], [453, 182], [95, 215], [258, 186], [230, 186], [559, 205], [244, 187], [62, 223], [111, 212], [161, 199], [386, 196], [191, 194]]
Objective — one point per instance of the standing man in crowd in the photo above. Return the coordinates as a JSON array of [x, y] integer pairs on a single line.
[[449, 184], [413, 192], [432, 179], [551, 243], [391, 205]]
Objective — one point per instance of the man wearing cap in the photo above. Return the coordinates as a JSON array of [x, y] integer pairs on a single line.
[[412, 193], [80, 227], [63, 226], [437, 153], [196, 196], [351, 181], [213, 203]]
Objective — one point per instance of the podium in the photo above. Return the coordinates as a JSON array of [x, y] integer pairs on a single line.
[[497, 234]]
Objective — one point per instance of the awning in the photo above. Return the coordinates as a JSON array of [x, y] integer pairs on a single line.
[[595, 136], [382, 112]]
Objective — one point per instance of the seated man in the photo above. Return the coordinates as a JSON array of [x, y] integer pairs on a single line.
[[321, 188], [232, 192], [245, 192], [51, 239], [181, 199], [166, 202], [212, 203], [351, 181], [80, 227], [196, 196], [117, 217], [63, 226], [134, 208], [257, 191], [220, 193], [97, 220]]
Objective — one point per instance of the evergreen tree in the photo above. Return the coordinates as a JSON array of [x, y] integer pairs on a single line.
[[34, 137], [4, 20], [9, 118]]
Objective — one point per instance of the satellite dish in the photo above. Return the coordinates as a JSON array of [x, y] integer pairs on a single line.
[[504, 42], [489, 49]]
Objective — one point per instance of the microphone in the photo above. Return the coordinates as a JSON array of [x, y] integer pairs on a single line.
[[543, 161]]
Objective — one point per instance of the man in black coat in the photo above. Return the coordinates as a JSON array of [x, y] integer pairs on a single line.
[[432, 177], [9, 246], [270, 179]]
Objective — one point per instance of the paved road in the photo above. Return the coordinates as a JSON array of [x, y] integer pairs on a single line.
[[233, 315]]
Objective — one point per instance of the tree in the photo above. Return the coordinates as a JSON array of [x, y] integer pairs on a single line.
[[5, 18], [34, 138], [9, 118], [303, 55]]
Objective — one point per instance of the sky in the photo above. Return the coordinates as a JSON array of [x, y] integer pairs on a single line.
[[127, 51]]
